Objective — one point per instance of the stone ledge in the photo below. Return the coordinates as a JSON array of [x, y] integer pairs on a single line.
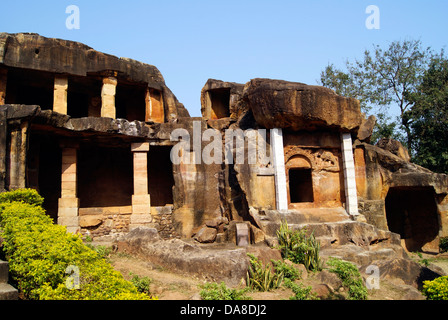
[[8, 292]]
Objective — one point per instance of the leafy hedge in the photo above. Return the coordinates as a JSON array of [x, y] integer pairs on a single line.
[[436, 289], [39, 253]]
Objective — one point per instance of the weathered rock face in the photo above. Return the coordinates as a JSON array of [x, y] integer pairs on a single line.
[[220, 99], [34, 52], [86, 107], [297, 106], [406, 271], [366, 129], [400, 196], [394, 147], [228, 265]]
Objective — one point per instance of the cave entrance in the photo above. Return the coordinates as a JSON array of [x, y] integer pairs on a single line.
[[83, 97], [104, 176], [44, 166], [300, 185], [130, 101], [30, 87], [160, 176], [412, 213], [220, 102]]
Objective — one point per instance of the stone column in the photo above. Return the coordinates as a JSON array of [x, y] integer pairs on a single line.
[[154, 106], [3, 80], [68, 202], [60, 94], [351, 198], [3, 148], [148, 106], [141, 201], [278, 156], [17, 156], [108, 97]]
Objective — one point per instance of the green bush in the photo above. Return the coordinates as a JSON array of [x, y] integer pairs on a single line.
[[296, 246], [262, 278], [39, 254], [436, 289], [141, 283], [350, 277], [443, 244], [300, 292], [288, 271], [29, 196], [103, 251], [214, 291]]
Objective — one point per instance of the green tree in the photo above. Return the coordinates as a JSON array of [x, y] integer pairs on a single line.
[[382, 81], [429, 117]]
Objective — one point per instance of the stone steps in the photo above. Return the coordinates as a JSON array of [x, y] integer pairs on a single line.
[[7, 292], [339, 236], [270, 220]]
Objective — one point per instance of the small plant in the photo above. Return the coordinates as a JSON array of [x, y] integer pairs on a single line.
[[422, 261], [300, 292], [262, 278], [103, 251], [214, 291], [436, 289], [141, 283], [351, 278], [298, 247], [289, 271], [443, 244]]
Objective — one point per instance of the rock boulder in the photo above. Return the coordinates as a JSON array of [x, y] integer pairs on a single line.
[[297, 106]]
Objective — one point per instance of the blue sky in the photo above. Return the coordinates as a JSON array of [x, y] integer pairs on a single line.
[[191, 41]]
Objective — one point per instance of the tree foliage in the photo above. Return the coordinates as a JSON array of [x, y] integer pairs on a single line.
[[382, 81], [429, 117]]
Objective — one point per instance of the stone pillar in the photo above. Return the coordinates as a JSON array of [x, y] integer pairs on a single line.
[[278, 156], [60, 94], [17, 156], [108, 97], [154, 106], [148, 106], [351, 198], [141, 201], [68, 204], [3, 80], [3, 148]]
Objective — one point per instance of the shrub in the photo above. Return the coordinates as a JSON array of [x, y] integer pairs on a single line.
[[288, 271], [39, 253], [103, 251], [141, 283], [299, 248], [214, 291], [300, 292], [350, 277], [443, 244], [262, 278], [436, 289], [29, 196]]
